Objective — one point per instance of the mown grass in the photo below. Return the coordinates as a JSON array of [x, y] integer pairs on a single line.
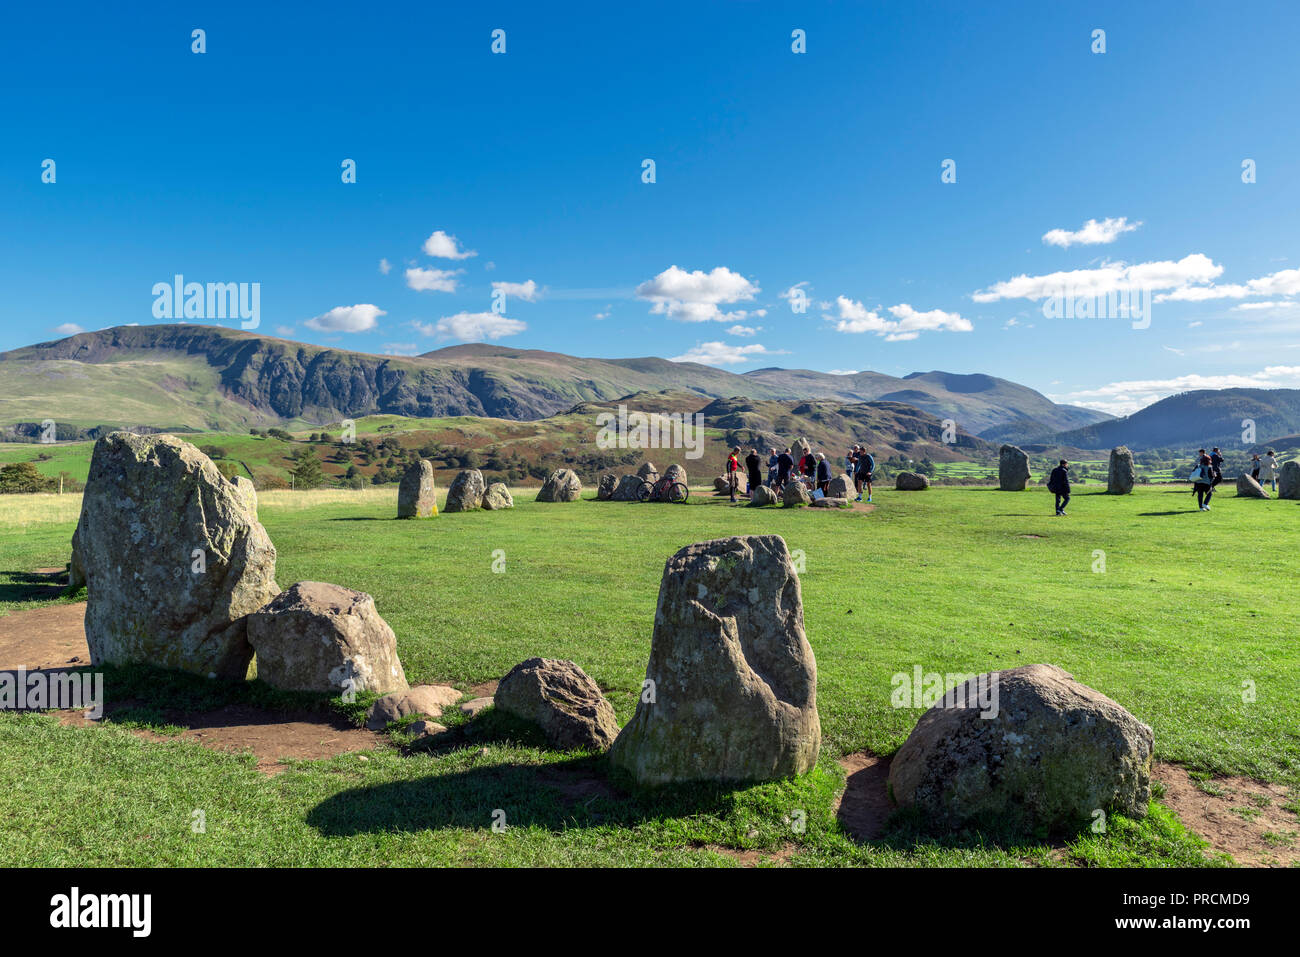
[[1183, 617]]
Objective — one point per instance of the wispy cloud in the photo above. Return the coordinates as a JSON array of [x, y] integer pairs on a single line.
[[724, 354], [1111, 277], [471, 327], [527, 291], [67, 329], [1091, 233], [433, 280], [356, 318], [906, 325], [1121, 398]]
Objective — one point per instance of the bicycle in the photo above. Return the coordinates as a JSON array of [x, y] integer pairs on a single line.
[[663, 490]]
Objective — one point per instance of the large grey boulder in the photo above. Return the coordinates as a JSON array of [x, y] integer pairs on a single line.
[[674, 473], [911, 482], [466, 492], [562, 485], [1247, 487], [322, 637], [647, 471], [1030, 740], [841, 487], [562, 700], [794, 494], [171, 557], [1288, 481], [415, 495], [605, 490], [498, 497], [731, 686], [1013, 469], [762, 496], [628, 490], [1121, 475]]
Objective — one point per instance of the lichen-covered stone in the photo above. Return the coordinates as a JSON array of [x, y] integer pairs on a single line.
[[562, 485], [466, 492], [1121, 473], [562, 700], [415, 493], [1013, 469]]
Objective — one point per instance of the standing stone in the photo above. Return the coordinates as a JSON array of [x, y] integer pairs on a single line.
[[498, 497], [1034, 741], [911, 482], [732, 692], [562, 485], [793, 494], [415, 498], [629, 487], [762, 496], [841, 487], [171, 557], [562, 700], [1013, 469], [322, 637], [466, 492], [1122, 473], [1288, 481], [605, 490], [648, 472], [1247, 487]]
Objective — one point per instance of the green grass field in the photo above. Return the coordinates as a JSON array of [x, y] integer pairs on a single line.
[[1168, 610]]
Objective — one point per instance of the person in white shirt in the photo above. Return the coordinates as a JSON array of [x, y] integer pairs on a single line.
[[1268, 470]]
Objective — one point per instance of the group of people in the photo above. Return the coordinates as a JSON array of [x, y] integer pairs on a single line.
[[811, 469]]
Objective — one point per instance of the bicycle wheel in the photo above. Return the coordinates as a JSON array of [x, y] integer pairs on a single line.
[[644, 492], [678, 493]]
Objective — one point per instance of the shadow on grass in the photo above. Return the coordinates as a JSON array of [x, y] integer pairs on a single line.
[[32, 586]]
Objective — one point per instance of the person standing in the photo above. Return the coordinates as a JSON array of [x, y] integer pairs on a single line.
[[823, 473], [1255, 466], [1216, 466], [1058, 483], [733, 471], [1203, 481], [752, 470], [771, 466], [784, 466], [1268, 469], [866, 467]]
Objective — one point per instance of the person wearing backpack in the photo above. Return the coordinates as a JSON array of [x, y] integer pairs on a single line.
[[866, 464], [1058, 483]]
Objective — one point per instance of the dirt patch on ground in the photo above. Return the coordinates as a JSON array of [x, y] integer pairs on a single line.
[[49, 637], [864, 806], [270, 735], [486, 690], [1239, 816], [752, 858]]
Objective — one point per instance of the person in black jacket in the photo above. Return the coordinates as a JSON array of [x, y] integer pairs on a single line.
[[823, 472], [751, 468], [1203, 485], [1216, 463], [784, 466], [1059, 484]]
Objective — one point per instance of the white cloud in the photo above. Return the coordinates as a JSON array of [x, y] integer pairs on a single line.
[[1177, 352], [433, 280], [401, 349], [723, 354], [1121, 398], [743, 330], [472, 327], [1111, 277], [357, 318], [1285, 282], [67, 329], [385, 266], [442, 246], [841, 371], [695, 296], [1091, 233], [285, 331], [527, 291], [906, 325], [1255, 306]]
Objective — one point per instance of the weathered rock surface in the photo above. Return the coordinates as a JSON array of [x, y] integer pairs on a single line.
[[322, 637], [1048, 746], [171, 556], [605, 490], [733, 682], [415, 495], [562, 700], [841, 487], [562, 485], [674, 473], [498, 496], [475, 705], [466, 492], [911, 482], [793, 493], [720, 484], [247, 491], [647, 471], [762, 496], [629, 488], [1121, 474], [1288, 481], [828, 501], [428, 700], [1247, 487], [1013, 469]]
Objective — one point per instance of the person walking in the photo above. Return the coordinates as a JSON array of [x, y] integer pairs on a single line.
[[784, 466], [733, 472], [752, 469], [1203, 481], [1268, 469], [866, 467], [1255, 466], [823, 473], [1216, 466], [1058, 483]]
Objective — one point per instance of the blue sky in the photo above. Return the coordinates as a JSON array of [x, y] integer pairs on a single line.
[[772, 169]]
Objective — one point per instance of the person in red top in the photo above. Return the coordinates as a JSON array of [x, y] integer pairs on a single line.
[[733, 471]]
